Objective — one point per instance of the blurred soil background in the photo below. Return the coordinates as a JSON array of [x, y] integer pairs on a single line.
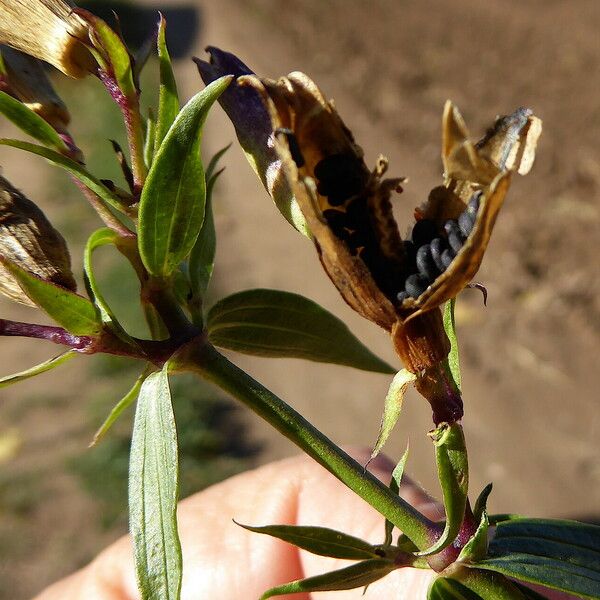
[[530, 359]]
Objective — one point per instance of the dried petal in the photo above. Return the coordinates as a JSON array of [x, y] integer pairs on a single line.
[[48, 30], [28, 239]]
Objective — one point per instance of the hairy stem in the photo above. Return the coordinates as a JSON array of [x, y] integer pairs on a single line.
[[204, 360]]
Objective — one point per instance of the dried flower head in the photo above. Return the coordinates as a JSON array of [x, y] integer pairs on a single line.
[[48, 30], [24, 78], [28, 240]]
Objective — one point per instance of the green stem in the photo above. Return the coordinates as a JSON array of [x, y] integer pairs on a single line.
[[207, 362]]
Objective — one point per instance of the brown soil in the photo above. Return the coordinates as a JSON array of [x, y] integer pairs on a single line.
[[529, 358]]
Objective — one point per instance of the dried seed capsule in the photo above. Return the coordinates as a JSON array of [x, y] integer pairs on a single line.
[[416, 284], [28, 239], [423, 232], [292, 145], [455, 237], [438, 245], [425, 262], [466, 221], [447, 257], [340, 177]]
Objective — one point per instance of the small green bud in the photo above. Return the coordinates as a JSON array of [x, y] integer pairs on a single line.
[[28, 239]]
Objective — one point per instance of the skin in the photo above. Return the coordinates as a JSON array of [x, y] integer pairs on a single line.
[[223, 560]]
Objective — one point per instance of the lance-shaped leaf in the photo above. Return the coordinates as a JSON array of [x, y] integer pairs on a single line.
[[444, 588], [168, 99], [47, 365], [395, 482], [153, 481], [280, 324], [392, 407], [149, 135], [111, 53], [562, 555], [453, 474], [254, 130], [30, 123], [74, 168], [320, 540], [70, 310], [123, 404], [202, 256], [172, 202], [358, 575]]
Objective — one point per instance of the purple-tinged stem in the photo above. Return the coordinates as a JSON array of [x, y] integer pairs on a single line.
[[130, 109], [50, 333]]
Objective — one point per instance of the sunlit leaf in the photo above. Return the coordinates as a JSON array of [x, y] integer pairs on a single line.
[[168, 98], [153, 482], [172, 202], [280, 324], [70, 310], [355, 576], [395, 482], [319, 540], [453, 364], [30, 123], [38, 369]]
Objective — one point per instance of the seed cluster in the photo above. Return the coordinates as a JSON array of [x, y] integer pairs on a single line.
[[429, 254]]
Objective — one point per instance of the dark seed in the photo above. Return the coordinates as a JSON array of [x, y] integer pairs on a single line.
[[438, 245], [474, 202], [455, 237], [416, 284], [447, 257], [425, 262], [423, 232], [402, 296], [466, 221]]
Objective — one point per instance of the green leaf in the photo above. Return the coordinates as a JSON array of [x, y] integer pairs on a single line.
[[562, 555], [202, 256], [123, 404], [392, 407], [453, 474], [70, 310], [41, 368], [115, 56], [100, 237], [280, 324], [476, 548], [395, 482], [444, 588], [453, 365], [319, 540], [153, 481], [349, 578], [172, 203], [214, 161], [528, 593], [30, 123], [168, 98], [74, 168], [481, 502]]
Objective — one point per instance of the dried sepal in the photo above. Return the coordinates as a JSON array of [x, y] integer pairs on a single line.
[[48, 30], [24, 78], [296, 104], [28, 240]]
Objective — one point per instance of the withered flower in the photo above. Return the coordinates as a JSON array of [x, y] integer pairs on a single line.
[[48, 30], [28, 239], [398, 284], [24, 78]]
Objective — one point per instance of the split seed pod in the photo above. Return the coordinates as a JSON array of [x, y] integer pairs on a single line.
[[349, 212], [28, 240], [48, 30]]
